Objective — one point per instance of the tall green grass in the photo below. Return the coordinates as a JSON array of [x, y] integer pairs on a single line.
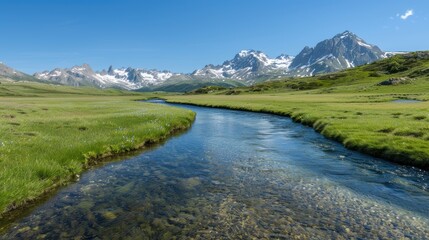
[[47, 140]]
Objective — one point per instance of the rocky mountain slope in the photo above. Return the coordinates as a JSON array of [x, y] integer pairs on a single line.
[[9, 73], [343, 51]]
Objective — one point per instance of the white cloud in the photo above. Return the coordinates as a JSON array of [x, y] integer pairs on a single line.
[[407, 14]]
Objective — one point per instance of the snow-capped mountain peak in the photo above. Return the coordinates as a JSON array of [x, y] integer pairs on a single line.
[[345, 34], [344, 50], [246, 65], [244, 53]]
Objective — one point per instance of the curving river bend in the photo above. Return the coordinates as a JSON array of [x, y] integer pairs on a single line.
[[238, 175]]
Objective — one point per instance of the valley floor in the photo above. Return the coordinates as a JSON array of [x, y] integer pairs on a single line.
[[50, 134], [372, 123]]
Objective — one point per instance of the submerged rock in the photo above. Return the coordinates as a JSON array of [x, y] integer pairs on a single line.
[[191, 183], [109, 215]]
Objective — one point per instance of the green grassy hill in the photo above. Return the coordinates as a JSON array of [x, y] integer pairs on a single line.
[[413, 66], [10, 88], [190, 85], [355, 107]]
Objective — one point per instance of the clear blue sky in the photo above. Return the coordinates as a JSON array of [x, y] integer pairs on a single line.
[[183, 35]]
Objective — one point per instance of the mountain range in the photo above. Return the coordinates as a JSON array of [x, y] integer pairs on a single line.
[[126, 78], [343, 51]]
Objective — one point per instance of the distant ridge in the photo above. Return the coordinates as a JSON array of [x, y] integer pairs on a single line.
[[9, 73]]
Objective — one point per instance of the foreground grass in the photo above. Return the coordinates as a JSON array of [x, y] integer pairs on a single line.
[[50, 137]]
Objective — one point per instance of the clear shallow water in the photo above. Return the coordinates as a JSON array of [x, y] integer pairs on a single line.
[[239, 175]]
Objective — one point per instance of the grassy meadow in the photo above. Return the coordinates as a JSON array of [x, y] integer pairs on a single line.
[[49, 134], [351, 106]]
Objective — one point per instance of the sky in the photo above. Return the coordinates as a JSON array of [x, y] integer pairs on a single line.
[[184, 35]]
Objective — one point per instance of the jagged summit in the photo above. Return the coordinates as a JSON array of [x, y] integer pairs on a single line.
[[345, 34], [110, 70]]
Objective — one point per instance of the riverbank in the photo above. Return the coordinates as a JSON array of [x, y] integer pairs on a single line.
[[49, 138], [368, 123]]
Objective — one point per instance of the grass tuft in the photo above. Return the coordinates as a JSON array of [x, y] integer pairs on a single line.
[[82, 128], [386, 130], [420, 117], [409, 133]]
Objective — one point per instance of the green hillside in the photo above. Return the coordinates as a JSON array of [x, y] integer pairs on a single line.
[[190, 85], [10, 88]]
